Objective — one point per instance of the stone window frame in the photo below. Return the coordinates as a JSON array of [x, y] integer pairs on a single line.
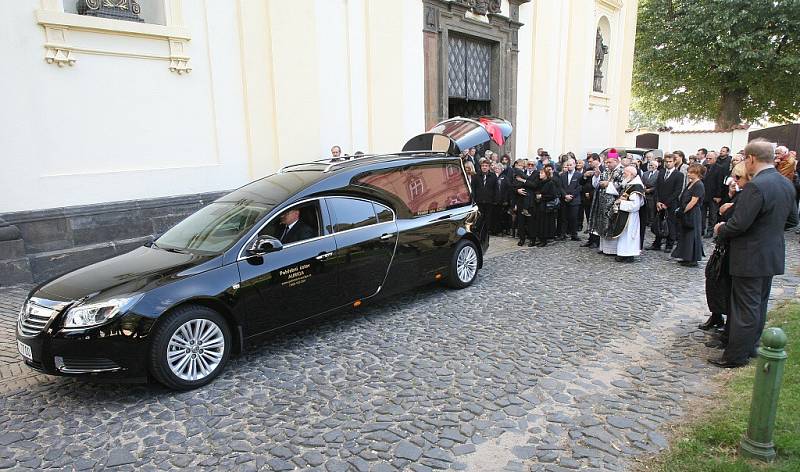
[[59, 50]]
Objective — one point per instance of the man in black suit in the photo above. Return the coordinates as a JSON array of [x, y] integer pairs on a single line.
[[292, 229], [763, 211], [524, 185], [668, 189], [713, 184], [571, 187], [472, 156], [589, 179], [501, 199], [484, 186]]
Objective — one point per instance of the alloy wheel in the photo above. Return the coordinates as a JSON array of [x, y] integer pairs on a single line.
[[467, 264], [195, 349]]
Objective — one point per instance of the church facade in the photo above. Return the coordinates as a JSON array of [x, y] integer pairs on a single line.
[[122, 116]]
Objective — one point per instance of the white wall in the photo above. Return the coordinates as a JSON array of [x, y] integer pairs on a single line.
[[272, 83], [117, 127], [557, 109], [690, 142]]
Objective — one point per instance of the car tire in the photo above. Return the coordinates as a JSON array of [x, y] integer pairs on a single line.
[[178, 357], [463, 264]]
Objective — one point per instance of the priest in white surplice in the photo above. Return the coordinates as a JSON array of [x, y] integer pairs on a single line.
[[623, 236]]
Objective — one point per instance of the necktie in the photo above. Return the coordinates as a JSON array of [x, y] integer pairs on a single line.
[[285, 232], [668, 174]]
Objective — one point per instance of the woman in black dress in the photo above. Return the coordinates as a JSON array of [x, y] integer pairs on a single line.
[[544, 217], [690, 240], [718, 279]]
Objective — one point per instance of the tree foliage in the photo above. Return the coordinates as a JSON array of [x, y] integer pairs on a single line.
[[638, 120], [723, 60]]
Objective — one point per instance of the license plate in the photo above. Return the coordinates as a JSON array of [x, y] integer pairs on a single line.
[[25, 350]]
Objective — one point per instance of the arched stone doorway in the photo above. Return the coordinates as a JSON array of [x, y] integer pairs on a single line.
[[470, 60]]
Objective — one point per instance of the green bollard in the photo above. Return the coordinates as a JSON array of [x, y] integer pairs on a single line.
[[757, 443]]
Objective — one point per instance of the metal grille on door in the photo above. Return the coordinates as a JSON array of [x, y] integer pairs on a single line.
[[469, 72]]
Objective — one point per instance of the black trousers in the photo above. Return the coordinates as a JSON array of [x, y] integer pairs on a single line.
[[710, 215], [561, 220], [485, 222], [672, 227], [501, 220], [572, 213], [586, 204], [523, 225], [749, 298]]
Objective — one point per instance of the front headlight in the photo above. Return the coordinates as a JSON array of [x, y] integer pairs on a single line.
[[22, 312], [93, 314]]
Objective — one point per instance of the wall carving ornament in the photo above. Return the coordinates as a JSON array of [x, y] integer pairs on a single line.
[[481, 7], [59, 50]]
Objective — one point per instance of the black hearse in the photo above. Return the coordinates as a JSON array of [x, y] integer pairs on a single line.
[[307, 240]]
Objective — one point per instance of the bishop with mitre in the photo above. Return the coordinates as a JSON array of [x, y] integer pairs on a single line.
[[623, 236]]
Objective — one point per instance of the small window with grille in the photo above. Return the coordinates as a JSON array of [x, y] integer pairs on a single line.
[[141, 11]]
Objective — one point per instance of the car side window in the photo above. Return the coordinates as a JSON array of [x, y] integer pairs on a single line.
[[420, 189], [349, 213], [295, 224], [383, 212]]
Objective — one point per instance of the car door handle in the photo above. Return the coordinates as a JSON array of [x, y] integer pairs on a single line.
[[324, 256], [387, 236], [443, 217]]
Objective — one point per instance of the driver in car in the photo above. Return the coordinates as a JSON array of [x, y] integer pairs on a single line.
[[292, 229]]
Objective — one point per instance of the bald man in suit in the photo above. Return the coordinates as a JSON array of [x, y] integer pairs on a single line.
[[292, 229]]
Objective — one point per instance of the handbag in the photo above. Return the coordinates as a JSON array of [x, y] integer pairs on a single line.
[[552, 204], [684, 219], [715, 267]]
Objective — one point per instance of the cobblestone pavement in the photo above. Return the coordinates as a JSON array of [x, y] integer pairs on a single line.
[[546, 363]]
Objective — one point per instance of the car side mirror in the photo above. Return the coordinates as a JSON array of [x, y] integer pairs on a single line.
[[263, 245]]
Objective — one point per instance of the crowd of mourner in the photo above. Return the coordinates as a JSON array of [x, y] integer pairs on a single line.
[[743, 203]]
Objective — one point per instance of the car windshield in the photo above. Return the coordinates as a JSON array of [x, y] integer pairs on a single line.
[[214, 228]]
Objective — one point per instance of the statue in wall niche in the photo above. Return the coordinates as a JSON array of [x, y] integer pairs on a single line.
[[127, 10], [600, 52]]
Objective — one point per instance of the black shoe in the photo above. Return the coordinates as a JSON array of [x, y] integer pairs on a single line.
[[725, 364], [542, 244], [619, 258], [595, 245], [715, 344], [587, 244], [521, 242], [710, 324], [668, 248], [688, 263], [561, 237], [720, 329], [574, 237], [532, 244], [653, 247]]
